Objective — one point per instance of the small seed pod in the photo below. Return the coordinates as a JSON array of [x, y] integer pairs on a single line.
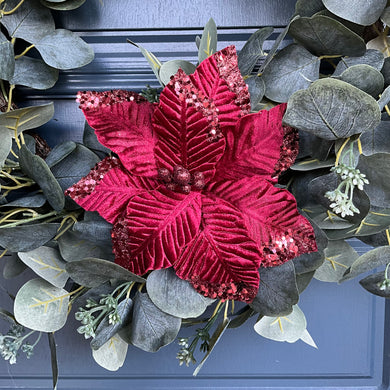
[[182, 176], [186, 189], [164, 175]]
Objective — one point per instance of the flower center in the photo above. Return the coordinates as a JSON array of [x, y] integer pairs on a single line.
[[181, 180]]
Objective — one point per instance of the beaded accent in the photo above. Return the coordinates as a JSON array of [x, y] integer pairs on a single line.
[[181, 180], [91, 100], [224, 291], [227, 63], [88, 183]]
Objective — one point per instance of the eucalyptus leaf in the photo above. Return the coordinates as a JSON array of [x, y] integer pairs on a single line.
[[208, 41], [291, 69], [53, 358], [90, 140], [375, 240], [5, 145], [385, 17], [153, 61], [28, 237], [91, 272], [252, 51], [74, 248], [308, 7], [358, 11], [12, 266], [94, 231], [384, 99], [306, 338], [63, 49], [34, 73], [381, 43], [322, 35], [256, 89], [386, 70], [74, 166], [332, 109], [37, 200], [277, 292], [378, 188], [217, 335], [368, 261], [66, 5], [59, 152], [25, 118], [31, 21], [371, 57], [105, 330], [35, 168], [47, 263], [373, 284], [175, 296], [112, 354], [241, 317], [7, 316], [7, 58], [287, 328], [339, 255], [376, 140], [364, 77], [303, 280], [151, 328], [170, 68], [41, 306]]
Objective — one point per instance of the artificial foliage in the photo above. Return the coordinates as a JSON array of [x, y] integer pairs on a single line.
[[232, 186]]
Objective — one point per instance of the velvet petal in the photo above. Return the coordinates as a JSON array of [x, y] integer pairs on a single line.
[[271, 217], [261, 146], [108, 188], [221, 261], [122, 122], [157, 225]]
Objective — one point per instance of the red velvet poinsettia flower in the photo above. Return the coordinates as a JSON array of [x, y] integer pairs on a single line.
[[193, 185]]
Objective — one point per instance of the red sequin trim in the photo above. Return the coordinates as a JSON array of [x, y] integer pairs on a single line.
[[238, 291]]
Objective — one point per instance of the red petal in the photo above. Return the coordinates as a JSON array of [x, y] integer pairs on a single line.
[[221, 261], [261, 146], [122, 122], [183, 130], [271, 217], [108, 188], [157, 225]]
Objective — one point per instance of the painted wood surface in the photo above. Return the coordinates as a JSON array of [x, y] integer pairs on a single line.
[[348, 324]]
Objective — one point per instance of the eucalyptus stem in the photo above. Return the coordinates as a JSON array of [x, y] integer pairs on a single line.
[[39, 217], [11, 88], [25, 51], [13, 9]]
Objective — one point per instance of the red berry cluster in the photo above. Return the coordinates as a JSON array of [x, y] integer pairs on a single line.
[[181, 179]]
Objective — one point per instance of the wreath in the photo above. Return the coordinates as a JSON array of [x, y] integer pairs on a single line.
[[214, 200]]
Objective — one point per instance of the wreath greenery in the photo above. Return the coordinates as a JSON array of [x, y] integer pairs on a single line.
[[197, 186]]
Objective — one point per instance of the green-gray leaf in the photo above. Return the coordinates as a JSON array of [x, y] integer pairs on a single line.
[[376, 140], [30, 22], [63, 49], [332, 109], [12, 266], [308, 7], [91, 272], [94, 231], [364, 77], [208, 41], [358, 11], [339, 255], [378, 188], [28, 237], [59, 152], [170, 68], [66, 5], [151, 328], [35, 167], [384, 99], [106, 330], [41, 306], [277, 292], [385, 17], [34, 73], [217, 335], [37, 200], [256, 89], [373, 284], [90, 140], [368, 261], [252, 51], [175, 296], [74, 248], [371, 57], [7, 59], [287, 328], [112, 354], [322, 35], [293, 68], [47, 263]]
